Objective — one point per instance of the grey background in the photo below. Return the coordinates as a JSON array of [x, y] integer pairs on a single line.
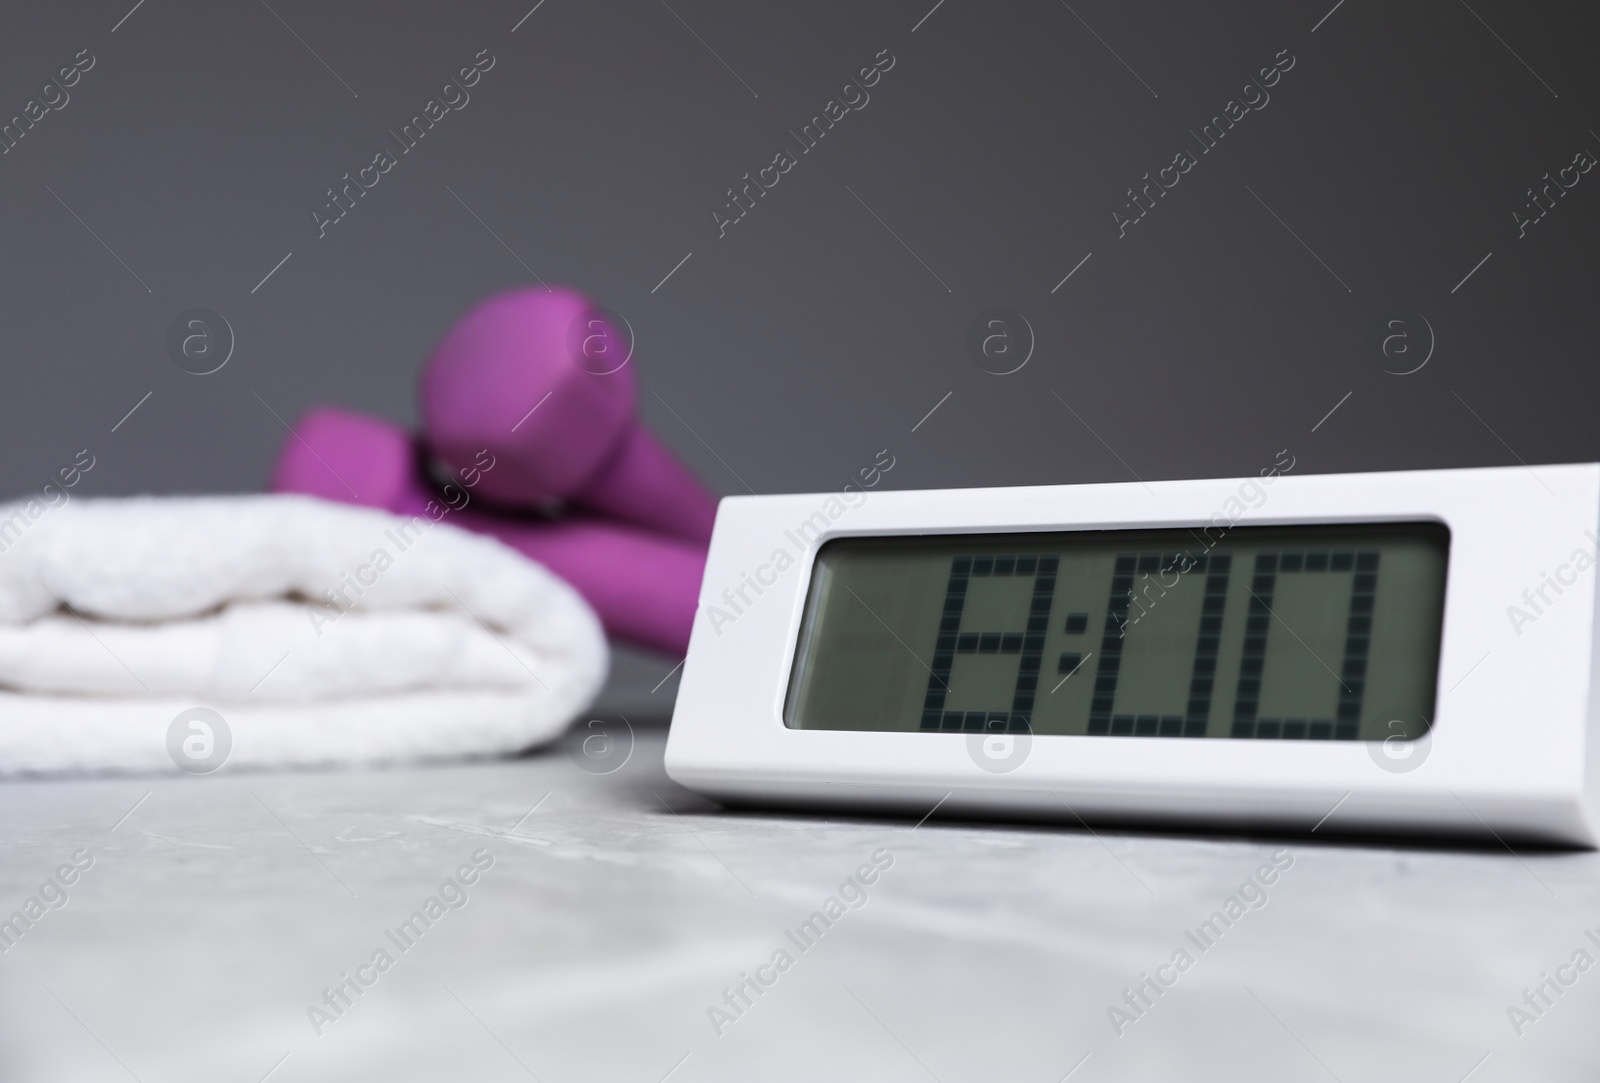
[[810, 337]]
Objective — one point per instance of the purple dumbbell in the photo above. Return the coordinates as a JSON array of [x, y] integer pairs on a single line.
[[644, 586], [541, 379]]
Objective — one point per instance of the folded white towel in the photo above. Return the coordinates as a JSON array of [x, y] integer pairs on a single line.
[[320, 633]]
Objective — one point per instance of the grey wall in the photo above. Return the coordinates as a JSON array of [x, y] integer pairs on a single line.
[[1222, 328]]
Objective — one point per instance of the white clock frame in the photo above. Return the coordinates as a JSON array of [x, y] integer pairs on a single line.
[[1512, 748]]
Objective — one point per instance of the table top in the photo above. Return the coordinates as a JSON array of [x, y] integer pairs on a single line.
[[611, 917]]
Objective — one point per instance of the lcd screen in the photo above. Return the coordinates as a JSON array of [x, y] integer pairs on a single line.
[[1287, 633]]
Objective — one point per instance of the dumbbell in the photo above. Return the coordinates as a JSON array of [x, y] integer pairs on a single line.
[[644, 586], [541, 379]]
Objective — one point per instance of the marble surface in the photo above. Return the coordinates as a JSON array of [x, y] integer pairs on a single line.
[[619, 907]]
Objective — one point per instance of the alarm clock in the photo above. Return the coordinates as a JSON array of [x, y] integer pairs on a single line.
[[1352, 653]]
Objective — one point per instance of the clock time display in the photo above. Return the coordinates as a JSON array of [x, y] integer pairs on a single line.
[[1315, 633]]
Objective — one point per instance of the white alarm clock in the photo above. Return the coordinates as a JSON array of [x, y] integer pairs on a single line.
[[1386, 652]]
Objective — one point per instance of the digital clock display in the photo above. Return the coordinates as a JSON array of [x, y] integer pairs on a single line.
[[1288, 633]]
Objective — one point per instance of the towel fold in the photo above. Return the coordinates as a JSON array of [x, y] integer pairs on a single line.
[[318, 633]]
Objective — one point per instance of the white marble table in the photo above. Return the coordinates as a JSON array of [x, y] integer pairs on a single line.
[[621, 907]]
